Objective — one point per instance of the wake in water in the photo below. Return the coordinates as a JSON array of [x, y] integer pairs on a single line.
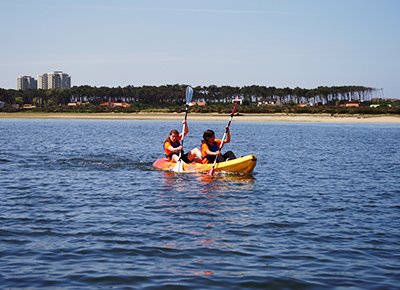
[[103, 162]]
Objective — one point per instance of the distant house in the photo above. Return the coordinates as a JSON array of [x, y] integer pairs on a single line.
[[76, 104], [350, 104], [2, 104], [115, 104], [270, 103], [240, 99], [380, 105], [199, 103], [28, 106]]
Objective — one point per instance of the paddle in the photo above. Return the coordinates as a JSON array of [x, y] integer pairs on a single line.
[[189, 94], [211, 172]]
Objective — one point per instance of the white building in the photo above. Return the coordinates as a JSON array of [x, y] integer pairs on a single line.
[[54, 80], [43, 82], [26, 83]]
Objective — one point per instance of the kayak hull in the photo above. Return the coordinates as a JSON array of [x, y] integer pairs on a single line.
[[241, 165]]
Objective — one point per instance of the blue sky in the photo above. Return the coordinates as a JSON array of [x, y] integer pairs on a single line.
[[285, 43]]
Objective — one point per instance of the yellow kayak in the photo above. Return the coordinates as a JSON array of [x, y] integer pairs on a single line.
[[242, 165]]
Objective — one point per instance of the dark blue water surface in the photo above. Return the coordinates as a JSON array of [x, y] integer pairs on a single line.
[[81, 207]]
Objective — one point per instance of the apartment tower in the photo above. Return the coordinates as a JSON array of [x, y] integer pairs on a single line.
[[54, 80], [26, 83]]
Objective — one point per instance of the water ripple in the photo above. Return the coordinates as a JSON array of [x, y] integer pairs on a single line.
[[80, 209]]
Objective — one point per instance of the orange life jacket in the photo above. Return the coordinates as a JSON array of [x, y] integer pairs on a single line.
[[168, 153], [213, 148]]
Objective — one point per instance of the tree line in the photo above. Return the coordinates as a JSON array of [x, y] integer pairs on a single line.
[[171, 98]]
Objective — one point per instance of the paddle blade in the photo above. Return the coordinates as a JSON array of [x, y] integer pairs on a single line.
[[178, 168], [235, 106], [189, 94], [211, 172]]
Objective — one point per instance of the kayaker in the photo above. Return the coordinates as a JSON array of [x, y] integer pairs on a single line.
[[210, 147], [172, 146]]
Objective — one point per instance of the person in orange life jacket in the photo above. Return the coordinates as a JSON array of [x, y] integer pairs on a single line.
[[210, 147], [172, 146]]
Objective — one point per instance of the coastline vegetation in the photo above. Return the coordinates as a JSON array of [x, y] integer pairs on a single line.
[[210, 99]]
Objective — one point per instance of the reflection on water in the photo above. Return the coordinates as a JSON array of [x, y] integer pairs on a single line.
[[202, 208], [204, 183]]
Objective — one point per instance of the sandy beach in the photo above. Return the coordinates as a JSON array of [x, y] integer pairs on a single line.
[[211, 117]]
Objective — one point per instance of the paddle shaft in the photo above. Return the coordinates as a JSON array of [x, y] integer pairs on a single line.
[[224, 136], [183, 130], [188, 96]]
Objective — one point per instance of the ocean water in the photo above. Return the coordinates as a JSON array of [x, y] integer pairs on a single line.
[[81, 207]]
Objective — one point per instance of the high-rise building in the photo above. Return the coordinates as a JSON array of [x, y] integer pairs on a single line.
[[42, 82], [26, 83], [54, 80]]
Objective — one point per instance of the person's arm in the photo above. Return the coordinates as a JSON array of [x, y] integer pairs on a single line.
[[186, 130], [213, 153], [173, 149]]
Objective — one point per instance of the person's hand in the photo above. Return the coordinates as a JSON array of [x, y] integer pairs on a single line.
[[184, 122], [227, 128]]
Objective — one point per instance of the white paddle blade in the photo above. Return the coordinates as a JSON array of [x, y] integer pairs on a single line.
[[189, 94], [178, 167]]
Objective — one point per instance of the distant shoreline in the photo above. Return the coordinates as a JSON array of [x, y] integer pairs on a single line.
[[277, 117]]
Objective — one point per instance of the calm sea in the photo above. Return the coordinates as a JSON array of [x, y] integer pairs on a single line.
[[81, 207]]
